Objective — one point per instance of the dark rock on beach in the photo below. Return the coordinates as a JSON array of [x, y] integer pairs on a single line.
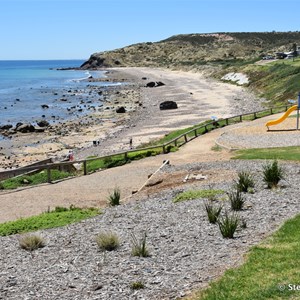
[[121, 110], [43, 123], [24, 128], [168, 105], [6, 127]]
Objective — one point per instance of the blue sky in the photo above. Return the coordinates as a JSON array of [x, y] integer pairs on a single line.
[[68, 29]]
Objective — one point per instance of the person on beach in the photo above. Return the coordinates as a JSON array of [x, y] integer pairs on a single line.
[[71, 155], [130, 143]]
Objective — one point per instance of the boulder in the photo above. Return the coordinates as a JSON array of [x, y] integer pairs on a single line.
[[6, 127], [44, 106], [168, 105], [25, 128], [121, 110], [43, 123], [152, 84]]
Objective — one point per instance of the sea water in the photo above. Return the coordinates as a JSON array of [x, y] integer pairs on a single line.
[[27, 85]]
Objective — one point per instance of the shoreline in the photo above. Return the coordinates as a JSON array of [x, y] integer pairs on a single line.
[[198, 99]]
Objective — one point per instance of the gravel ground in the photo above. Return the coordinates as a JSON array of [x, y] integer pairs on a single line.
[[186, 251], [254, 134]]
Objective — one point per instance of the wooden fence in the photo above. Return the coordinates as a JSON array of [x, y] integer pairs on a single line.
[[165, 148]]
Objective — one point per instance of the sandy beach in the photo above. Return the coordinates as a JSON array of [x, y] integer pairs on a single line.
[[198, 99]]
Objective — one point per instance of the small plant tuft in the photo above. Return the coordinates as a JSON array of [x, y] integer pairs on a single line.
[[228, 225], [272, 174], [236, 199], [137, 285], [108, 241], [245, 181], [114, 198], [139, 247], [31, 242], [212, 211]]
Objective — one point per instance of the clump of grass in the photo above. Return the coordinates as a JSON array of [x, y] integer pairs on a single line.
[[114, 198], [108, 241], [272, 174], [245, 181], [228, 225], [236, 199], [216, 148], [137, 285], [196, 194], [31, 242], [139, 247], [212, 211]]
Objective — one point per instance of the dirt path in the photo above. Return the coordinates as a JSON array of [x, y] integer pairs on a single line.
[[92, 190]]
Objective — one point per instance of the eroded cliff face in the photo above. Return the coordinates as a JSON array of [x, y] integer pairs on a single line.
[[192, 50]]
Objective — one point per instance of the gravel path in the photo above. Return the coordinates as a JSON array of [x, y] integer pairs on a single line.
[[186, 251], [254, 134]]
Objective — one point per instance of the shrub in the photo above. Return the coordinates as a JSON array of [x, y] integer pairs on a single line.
[[236, 199], [272, 174], [31, 242], [139, 247], [228, 225], [114, 198], [245, 181], [212, 212], [107, 241], [137, 285]]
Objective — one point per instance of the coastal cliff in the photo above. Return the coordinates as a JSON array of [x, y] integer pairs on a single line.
[[186, 51]]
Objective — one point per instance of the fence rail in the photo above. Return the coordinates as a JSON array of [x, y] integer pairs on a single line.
[[177, 142]]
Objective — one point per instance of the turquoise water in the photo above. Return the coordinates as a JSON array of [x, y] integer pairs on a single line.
[[27, 85]]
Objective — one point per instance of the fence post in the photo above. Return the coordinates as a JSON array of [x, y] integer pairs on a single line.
[[271, 111], [84, 168], [126, 155], [227, 121], [255, 115], [164, 149], [196, 133], [48, 174], [241, 118], [185, 138], [175, 143]]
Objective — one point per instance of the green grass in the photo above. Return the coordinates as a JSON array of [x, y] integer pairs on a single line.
[[34, 179], [283, 153], [56, 218], [276, 81], [196, 194], [119, 160], [272, 264]]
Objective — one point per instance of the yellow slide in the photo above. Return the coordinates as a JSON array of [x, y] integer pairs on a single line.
[[283, 117]]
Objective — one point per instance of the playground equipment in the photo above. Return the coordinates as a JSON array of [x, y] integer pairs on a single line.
[[286, 114]]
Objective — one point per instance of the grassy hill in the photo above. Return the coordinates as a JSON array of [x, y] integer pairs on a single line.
[[216, 54]]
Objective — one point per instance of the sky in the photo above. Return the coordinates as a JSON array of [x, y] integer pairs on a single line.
[[74, 29]]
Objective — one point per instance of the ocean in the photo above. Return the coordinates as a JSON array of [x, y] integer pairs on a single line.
[[26, 86]]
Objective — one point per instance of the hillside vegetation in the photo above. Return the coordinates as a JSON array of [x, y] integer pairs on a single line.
[[216, 54]]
